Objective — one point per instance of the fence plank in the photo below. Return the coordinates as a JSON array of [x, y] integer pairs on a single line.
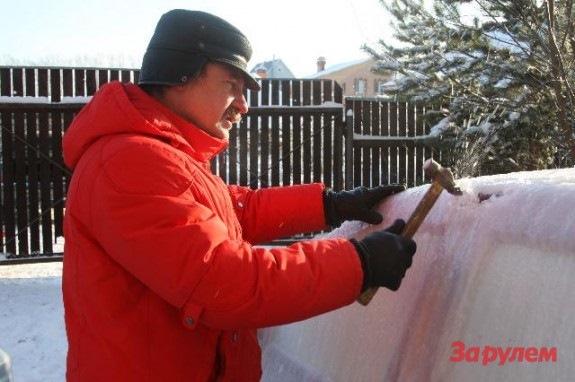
[[297, 171], [410, 157], [17, 83], [275, 163], [114, 75], [30, 78], [393, 151], [384, 131], [58, 175], [231, 158], [244, 149], [357, 157], [263, 169], [338, 156], [420, 151], [306, 133], [45, 182], [80, 83], [8, 182], [254, 154], [20, 178], [5, 82], [316, 133], [286, 128], [366, 153], [328, 90], [33, 197], [67, 82], [103, 77], [126, 76], [402, 150], [91, 82], [43, 84], [55, 85], [264, 157], [375, 157]]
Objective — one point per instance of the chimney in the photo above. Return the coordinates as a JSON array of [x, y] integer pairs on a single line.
[[321, 64], [261, 72]]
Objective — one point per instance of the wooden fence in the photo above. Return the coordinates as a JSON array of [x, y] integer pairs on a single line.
[[297, 131], [385, 142]]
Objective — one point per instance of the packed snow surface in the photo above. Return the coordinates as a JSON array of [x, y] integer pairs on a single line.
[[493, 271]]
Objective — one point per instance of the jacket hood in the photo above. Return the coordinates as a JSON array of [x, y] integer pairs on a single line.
[[124, 108]]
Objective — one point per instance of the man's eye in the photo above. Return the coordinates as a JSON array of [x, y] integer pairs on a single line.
[[236, 86]]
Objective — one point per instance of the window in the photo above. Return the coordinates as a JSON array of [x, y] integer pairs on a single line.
[[360, 86], [379, 87]]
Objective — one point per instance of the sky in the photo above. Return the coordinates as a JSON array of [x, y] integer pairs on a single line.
[[489, 253], [296, 31]]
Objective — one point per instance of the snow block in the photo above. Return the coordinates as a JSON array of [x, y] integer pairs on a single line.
[[489, 296]]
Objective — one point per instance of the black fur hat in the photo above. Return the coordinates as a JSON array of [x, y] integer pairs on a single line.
[[185, 40]]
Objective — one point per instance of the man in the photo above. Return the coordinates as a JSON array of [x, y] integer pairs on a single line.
[[162, 281]]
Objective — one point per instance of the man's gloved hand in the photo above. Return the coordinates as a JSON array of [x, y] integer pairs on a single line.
[[385, 257], [356, 204]]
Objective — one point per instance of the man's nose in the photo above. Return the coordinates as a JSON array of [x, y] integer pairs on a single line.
[[240, 104]]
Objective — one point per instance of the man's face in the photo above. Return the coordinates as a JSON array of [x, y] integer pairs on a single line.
[[214, 101]]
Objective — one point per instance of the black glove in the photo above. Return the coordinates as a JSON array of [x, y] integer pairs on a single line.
[[356, 204], [385, 257]]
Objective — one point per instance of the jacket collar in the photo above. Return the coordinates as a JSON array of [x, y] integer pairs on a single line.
[[196, 142], [119, 108]]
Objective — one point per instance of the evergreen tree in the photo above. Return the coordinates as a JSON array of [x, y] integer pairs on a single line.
[[499, 71]]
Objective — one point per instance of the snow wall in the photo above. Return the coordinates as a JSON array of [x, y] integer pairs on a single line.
[[490, 296]]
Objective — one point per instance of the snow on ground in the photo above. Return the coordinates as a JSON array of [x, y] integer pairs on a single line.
[[32, 321], [496, 273]]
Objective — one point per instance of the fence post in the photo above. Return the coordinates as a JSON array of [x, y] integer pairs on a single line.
[[349, 150]]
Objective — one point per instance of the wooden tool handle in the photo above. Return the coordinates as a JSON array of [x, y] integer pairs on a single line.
[[410, 228]]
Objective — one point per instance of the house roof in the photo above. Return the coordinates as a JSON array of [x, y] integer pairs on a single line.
[[337, 68], [273, 68]]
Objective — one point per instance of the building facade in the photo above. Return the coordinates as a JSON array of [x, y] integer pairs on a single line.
[[355, 77]]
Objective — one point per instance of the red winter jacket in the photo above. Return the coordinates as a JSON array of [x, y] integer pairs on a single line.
[[161, 279]]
